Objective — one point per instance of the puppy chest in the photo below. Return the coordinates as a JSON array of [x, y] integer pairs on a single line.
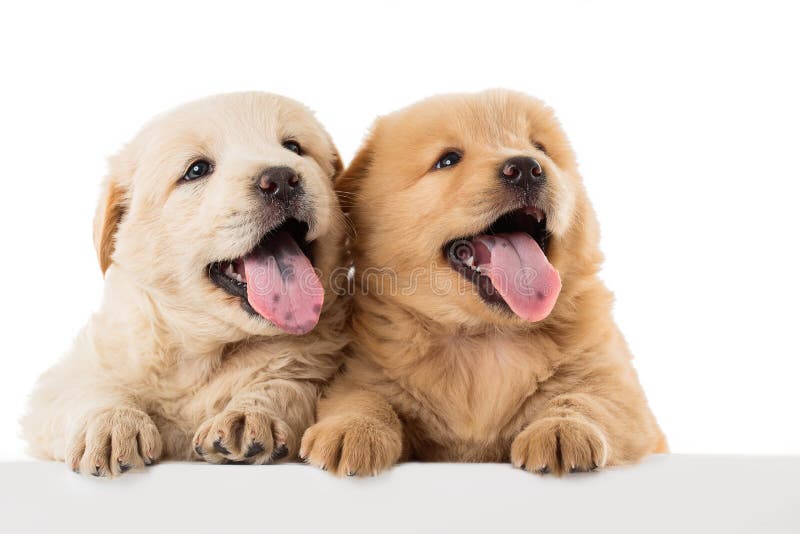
[[477, 396]]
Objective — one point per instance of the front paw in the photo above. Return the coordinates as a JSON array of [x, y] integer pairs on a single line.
[[560, 445], [250, 437], [114, 441], [352, 445]]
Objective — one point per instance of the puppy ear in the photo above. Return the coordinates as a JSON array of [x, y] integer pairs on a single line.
[[109, 213], [335, 159], [349, 181], [338, 167]]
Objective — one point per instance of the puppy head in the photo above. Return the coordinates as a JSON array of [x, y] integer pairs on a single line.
[[473, 206], [225, 209]]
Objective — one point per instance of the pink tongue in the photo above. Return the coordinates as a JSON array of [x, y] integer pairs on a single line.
[[282, 285], [520, 272]]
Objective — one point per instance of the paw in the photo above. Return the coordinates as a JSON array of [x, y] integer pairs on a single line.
[[250, 437], [352, 446], [113, 442], [560, 445]]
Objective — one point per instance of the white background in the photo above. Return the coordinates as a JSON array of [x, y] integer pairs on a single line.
[[685, 120]]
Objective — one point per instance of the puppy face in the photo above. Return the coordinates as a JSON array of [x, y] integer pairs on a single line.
[[225, 209], [474, 203]]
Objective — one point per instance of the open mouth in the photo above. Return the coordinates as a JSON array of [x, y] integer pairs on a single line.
[[276, 280], [508, 265]]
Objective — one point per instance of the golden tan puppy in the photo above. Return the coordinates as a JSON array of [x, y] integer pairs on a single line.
[[481, 331], [217, 231]]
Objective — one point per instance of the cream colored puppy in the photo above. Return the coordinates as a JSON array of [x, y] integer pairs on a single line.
[[218, 231]]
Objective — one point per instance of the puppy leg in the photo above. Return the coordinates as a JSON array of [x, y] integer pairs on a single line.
[[358, 433], [95, 435], [560, 444], [604, 422], [261, 424], [111, 441], [94, 425]]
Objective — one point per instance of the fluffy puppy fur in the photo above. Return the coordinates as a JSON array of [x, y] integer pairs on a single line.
[[438, 370], [177, 363]]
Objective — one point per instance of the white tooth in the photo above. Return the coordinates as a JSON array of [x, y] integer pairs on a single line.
[[478, 269], [470, 261]]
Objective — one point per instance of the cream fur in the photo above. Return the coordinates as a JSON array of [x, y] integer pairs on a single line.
[[171, 364]]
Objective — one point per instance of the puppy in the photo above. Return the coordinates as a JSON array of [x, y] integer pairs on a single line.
[[481, 330], [217, 231]]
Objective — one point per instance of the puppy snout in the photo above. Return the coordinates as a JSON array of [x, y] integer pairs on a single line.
[[280, 183], [522, 172]]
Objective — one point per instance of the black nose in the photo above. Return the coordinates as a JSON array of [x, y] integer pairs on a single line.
[[522, 172], [280, 183]]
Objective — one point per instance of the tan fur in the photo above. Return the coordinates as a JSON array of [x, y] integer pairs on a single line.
[[441, 376], [170, 361], [109, 214]]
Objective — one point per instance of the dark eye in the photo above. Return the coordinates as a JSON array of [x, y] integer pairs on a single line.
[[197, 169], [294, 146], [448, 160], [539, 146]]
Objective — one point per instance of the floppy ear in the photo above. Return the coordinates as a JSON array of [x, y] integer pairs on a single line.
[[338, 167], [335, 159], [110, 210]]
